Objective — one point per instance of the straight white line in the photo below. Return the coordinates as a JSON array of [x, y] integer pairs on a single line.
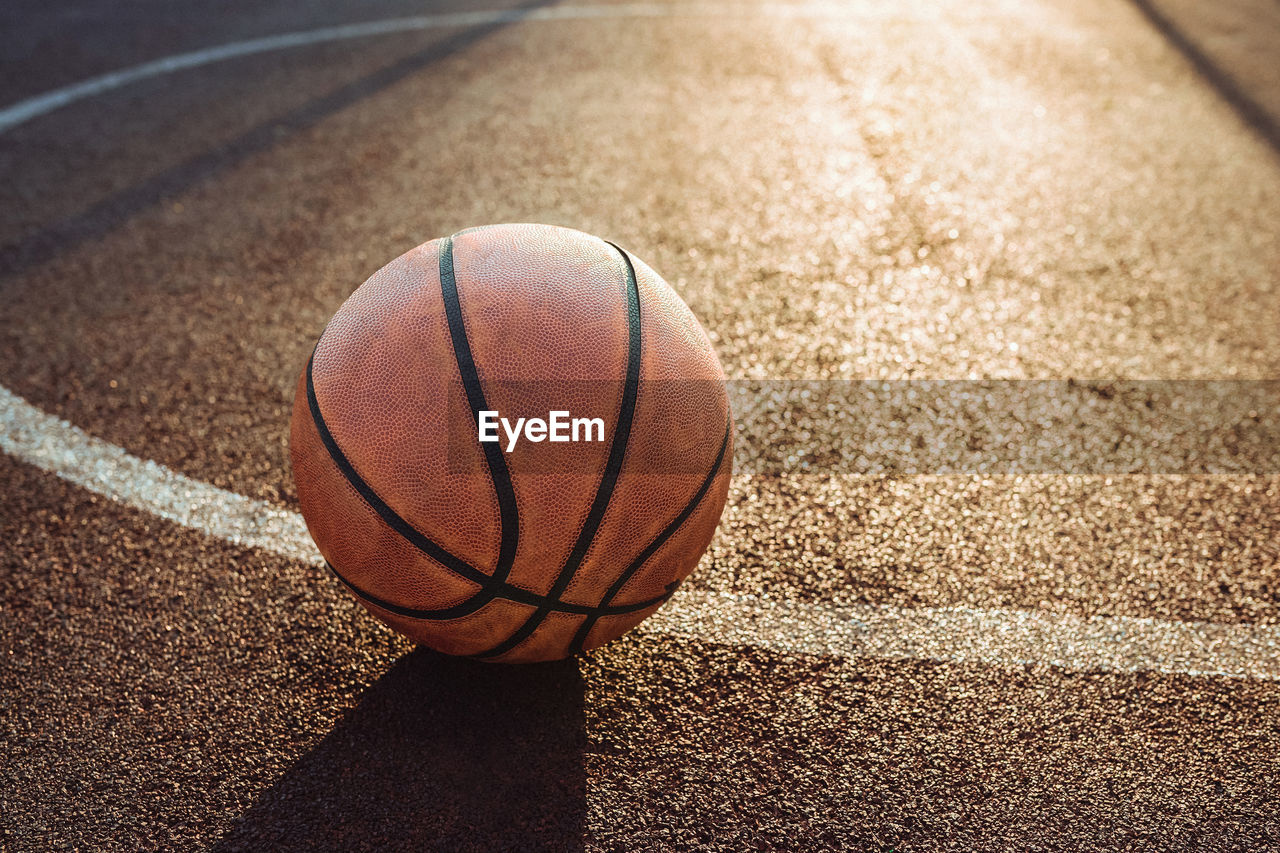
[[996, 637], [24, 111]]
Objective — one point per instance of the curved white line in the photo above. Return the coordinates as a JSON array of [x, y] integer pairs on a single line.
[[24, 111], [40, 439], [995, 637]]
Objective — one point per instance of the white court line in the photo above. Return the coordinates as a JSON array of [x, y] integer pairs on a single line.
[[995, 637], [40, 439], [24, 111]]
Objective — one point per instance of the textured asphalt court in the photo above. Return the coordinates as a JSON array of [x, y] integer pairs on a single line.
[[865, 191]]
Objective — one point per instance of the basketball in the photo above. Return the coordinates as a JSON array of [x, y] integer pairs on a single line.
[[513, 443]]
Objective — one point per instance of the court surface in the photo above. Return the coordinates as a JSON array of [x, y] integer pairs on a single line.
[[1058, 659]]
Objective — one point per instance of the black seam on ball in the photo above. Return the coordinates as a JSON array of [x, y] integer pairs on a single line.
[[505, 592], [608, 479], [375, 502], [509, 511], [603, 609]]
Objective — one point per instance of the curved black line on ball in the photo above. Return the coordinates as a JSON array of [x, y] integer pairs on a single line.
[[490, 584], [580, 638], [508, 511], [608, 479], [393, 519], [506, 591]]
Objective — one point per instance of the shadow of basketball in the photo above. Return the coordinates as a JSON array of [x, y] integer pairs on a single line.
[[440, 754]]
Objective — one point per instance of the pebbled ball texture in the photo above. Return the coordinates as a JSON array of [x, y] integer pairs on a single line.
[[551, 548]]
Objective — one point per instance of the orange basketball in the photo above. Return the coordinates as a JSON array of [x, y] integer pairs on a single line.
[[607, 475]]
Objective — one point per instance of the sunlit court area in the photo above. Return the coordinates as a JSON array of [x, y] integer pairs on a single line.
[[761, 426]]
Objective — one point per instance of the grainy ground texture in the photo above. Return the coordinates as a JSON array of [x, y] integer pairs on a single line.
[[967, 660]]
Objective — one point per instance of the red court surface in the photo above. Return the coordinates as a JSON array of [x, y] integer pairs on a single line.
[[948, 659]]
